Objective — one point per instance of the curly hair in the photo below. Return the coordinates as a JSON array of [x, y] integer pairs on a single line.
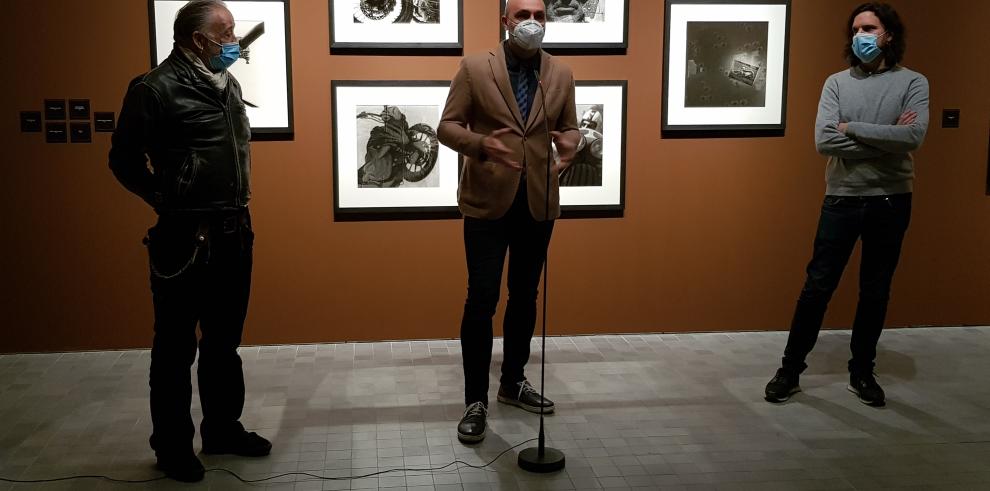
[[893, 51]]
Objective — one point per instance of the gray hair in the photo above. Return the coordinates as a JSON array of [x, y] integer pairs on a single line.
[[192, 17]]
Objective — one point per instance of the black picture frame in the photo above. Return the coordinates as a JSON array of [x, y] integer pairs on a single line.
[[349, 42], [680, 121], [347, 208], [607, 199], [56, 132], [55, 110], [103, 122], [80, 132], [586, 44], [79, 109], [30, 121], [259, 132]]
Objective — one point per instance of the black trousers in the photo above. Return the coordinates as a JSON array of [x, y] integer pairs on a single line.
[[200, 274], [880, 222], [485, 244]]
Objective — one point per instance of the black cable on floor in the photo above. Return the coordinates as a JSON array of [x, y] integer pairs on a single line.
[[286, 474], [71, 478]]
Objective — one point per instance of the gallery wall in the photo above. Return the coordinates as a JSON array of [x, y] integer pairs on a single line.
[[715, 235]]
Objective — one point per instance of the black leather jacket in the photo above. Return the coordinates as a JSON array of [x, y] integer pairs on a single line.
[[196, 138]]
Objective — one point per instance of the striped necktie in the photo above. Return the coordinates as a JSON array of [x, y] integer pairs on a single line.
[[522, 93]]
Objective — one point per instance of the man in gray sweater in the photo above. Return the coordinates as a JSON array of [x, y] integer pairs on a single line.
[[870, 118]]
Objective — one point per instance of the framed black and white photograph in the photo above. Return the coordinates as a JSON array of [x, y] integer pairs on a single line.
[[584, 26], [78, 109], [56, 132], [264, 70], [103, 122], [31, 121], [725, 66], [594, 183], [80, 132], [387, 160], [55, 109], [399, 26]]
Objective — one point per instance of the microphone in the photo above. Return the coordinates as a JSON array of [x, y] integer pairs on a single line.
[[541, 458]]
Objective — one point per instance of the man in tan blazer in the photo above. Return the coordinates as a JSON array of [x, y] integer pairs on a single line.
[[504, 108]]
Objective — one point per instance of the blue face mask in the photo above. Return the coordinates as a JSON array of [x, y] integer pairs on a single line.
[[229, 53], [865, 47]]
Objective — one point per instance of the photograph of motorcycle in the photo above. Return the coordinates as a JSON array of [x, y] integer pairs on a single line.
[[396, 154], [586, 168], [397, 11]]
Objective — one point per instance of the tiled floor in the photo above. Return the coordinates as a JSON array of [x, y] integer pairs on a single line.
[[677, 411]]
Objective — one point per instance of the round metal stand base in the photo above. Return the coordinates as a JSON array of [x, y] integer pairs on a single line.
[[552, 460]]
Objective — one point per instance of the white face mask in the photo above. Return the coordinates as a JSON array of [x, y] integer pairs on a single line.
[[528, 35]]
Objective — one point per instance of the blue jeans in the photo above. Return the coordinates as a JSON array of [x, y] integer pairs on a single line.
[[880, 222]]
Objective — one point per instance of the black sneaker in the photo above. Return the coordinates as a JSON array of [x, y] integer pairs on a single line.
[[241, 443], [522, 394], [783, 385], [472, 427], [865, 387], [184, 467]]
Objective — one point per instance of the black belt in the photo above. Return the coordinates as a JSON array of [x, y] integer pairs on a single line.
[[227, 221], [871, 199]]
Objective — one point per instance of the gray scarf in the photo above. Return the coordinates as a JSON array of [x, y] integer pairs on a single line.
[[217, 80]]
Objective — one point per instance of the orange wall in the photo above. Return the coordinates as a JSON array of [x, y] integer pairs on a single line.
[[715, 237]]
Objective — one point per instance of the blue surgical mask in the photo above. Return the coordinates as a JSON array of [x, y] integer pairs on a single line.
[[865, 47], [229, 53]]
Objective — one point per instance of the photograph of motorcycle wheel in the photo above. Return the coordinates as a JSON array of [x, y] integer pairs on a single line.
[[388, 163], [399, 145], [396, 27], [397, 11]]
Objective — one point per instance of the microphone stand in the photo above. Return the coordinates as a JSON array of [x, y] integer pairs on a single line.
[[541, 458]]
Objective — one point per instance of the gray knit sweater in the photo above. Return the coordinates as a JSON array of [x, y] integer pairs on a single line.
[[872, 157]]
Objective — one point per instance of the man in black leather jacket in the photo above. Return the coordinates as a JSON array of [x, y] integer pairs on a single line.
[[187, 116]]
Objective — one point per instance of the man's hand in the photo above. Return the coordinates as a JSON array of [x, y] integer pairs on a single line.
[[566, 150], [842, 128], [907, 118], [497, 152]]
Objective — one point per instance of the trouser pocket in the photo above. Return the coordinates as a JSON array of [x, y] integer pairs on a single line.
[[175, 245]]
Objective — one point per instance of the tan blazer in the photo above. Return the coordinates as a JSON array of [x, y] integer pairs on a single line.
[[481, 100]]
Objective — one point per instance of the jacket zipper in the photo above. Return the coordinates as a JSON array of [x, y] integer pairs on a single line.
[[233, 140]]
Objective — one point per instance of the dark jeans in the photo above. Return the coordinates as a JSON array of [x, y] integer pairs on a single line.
[[880, 221], [485, 243], [200, 273]]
